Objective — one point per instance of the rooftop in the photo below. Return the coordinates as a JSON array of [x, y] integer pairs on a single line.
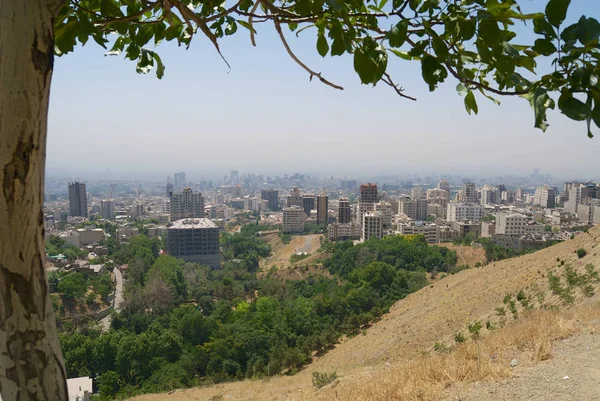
[[192, 223]]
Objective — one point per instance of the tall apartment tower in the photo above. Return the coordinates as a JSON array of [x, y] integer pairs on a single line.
[[187, 204], [308, 204], [272, 197], [180, 182], [469, 192], [107, 209], [367, 199], [344, 211], [235, 177], [294, 198], [418, 193], [112, 190], [372, 225], [169, 187], [545, 196], [77, 199], [322, 209]]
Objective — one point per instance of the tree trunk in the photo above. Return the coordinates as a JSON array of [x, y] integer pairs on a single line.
[[31, 365]]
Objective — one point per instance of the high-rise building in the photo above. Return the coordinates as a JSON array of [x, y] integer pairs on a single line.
[[545, 197], [367, 199], [490, 195], [308, 204], [440, 197], [112, 190], [187, 204], [180, 182], [469, 192], [414, 209], [293, 220], [294, 198], [386, 213], [343, 211], [272, 197], [77, 199], [372, 225], [235, 177], [169, 187], [418, 193], [194, 240], [107, 209], [322, 207]]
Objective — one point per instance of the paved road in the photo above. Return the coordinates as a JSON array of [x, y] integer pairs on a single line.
[[118, 301]]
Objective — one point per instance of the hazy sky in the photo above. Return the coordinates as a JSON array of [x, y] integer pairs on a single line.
[[266, 116]]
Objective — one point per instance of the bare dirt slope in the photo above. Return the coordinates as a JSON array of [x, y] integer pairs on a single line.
[[413, 325], [282, 252]]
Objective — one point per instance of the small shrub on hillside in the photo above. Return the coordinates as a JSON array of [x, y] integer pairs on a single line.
[[558, 259], [592, 273], [440, 347], [459, 337], [581, 253], [458, 269], [512, 306], [524, 300], [321, 379], [475, 328], [489, 325], [500, 311], [507, 299], [562, 262]]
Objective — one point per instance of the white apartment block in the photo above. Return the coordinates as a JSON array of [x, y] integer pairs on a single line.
[[414, 209], [516, 224], [386, 212], [490, 195], [293, 220], [545, 197], [372, 225], [465, 211], [429, 231], [343, 231]]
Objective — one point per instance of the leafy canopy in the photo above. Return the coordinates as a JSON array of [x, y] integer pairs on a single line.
[[474, 41]]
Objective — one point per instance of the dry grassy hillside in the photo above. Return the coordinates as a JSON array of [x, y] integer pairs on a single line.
[[373, 365]]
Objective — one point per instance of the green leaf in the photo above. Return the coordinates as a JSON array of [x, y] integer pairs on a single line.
[[247, 26], [145, 62], [336, 5], [467, 28], [231, 28], [573, 108], [556, 11], [471, 103], [490, 33], [117, 47], [370, 61], [110, 8], [540, 102], [543, 27], [510, 50], [132, 52], [160, 67], [65, 38], [143, 35], [440, 48], [596, 114], [397, 35], [414, 4], [402, 54], [322, 45], [527, 62], [505, 65], [461, 88], [544, 47], [433, 71], [588, 31]]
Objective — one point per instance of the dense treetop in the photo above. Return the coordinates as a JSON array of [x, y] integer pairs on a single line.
[[472, 41]]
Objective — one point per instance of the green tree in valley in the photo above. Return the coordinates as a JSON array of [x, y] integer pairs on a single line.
[[471, 41]]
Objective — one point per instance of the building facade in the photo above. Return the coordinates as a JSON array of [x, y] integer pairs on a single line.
[[187, 204], [344, 211], [465, 212], [415, 209], [107, 209], [77, 199], [272, 197], [372, 225], [194, 240], [322, 208]]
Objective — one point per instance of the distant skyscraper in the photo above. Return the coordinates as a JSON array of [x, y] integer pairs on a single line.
[[107, 209], [418, 193], [343, 211], [272, 197], [294, 198], [235, 177], [469, 192], [322, 209], [180, 182], [366, 201], [187, 204], [308, 203], [169, 187], [112, 190], [77, 199]]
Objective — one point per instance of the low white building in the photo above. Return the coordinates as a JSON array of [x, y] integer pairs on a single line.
[[465, 211]]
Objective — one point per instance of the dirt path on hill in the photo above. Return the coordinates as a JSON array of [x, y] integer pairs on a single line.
[[572, 374]]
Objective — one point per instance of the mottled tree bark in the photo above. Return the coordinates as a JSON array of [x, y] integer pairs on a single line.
[[31, 365]]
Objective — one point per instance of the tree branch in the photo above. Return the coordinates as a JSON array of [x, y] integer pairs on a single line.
[[479, 85], [250, 21], [300, 63], [387, 79]]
